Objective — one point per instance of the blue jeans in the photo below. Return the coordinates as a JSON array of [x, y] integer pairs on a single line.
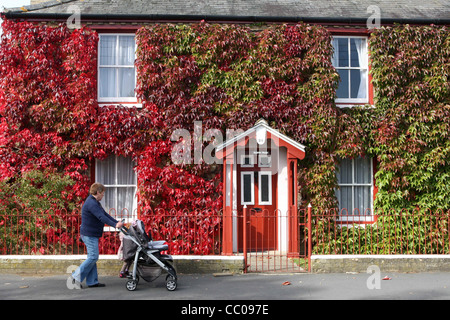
[[88, 269]]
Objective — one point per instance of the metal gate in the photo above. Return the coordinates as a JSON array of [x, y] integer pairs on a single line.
[[275, 241]]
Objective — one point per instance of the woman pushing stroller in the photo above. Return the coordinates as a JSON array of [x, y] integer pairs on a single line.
[[93, 219]]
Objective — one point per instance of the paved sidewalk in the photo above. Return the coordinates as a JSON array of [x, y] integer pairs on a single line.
[[414, 286]]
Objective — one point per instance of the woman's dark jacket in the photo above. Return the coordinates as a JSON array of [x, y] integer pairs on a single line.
[[93, 218]]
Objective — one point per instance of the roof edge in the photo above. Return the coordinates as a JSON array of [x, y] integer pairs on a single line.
[[260, 124], [216, 18]]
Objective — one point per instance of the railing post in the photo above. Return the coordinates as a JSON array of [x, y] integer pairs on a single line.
[[227, 232], [308, 225], [244, 224]]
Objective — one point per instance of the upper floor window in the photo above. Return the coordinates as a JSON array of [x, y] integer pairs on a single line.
[[116, 71], [351, 62]]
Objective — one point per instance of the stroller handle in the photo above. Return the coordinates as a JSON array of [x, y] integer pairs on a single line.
[[123, 228]]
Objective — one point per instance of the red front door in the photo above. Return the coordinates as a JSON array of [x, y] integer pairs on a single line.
[[257, 186]]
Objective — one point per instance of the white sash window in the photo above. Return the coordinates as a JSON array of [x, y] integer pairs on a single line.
[[355, 192], [116, 173], [116, 70], [351, 62]]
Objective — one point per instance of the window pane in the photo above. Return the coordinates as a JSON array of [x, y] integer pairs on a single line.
[[126, 50], [362, 170], [125, 172], [358, 51], [247, 187], [125, 200], [334, 58], [108, 50], [107, 82], [106, 171], [355, 83], [342, 52], [265, 188], [108, 201], [126, 82], [355, 47], [362, 200], [345, 174], [362, 93], [345, 200], [342, 91]]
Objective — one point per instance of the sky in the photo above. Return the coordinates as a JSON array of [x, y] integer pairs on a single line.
[[11, 4]]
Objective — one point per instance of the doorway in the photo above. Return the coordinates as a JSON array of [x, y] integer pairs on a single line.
[[259, 172], [257, 190]]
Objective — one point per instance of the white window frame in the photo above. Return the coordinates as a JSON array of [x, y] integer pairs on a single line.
[[363, 216], [106, 100], [269, 174], [252, 189], [251, 162], [130, 216], [365, 100]]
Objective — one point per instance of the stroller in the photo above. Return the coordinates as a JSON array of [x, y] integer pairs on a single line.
[[148, 261]]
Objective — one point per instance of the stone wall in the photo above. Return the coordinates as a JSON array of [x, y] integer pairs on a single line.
[[386, 263], [110, 265]]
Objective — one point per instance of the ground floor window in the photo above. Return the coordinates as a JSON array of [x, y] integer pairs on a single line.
[[118, 175], [355, 191]]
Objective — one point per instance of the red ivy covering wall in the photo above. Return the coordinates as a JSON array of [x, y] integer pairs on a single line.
[[48, 101], [226, 76], [229, 77]]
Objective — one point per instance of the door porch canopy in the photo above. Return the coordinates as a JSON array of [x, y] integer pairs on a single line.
[[261, 139]]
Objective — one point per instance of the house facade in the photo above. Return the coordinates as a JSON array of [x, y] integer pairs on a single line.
[[330, 85]]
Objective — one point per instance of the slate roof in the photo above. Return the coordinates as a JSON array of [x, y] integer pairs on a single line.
[[246, 9]]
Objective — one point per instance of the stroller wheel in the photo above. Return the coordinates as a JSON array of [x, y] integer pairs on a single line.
[[171, 283], [131, 285]]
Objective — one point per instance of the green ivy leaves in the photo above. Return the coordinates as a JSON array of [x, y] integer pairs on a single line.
[[410, 68]]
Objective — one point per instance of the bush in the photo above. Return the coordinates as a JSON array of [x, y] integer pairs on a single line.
[[35, 215]]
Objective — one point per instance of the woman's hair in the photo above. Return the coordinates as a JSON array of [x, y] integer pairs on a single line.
[[96, 187]]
